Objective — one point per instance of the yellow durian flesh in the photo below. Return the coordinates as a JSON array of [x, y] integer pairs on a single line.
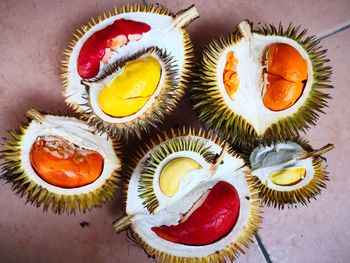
[[288, 176], [173, 172], [130, 90]]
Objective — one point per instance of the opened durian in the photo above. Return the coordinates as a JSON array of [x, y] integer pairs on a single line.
[[288, 172], [126, 70], [60, 163], [262, 84], [189, 199]]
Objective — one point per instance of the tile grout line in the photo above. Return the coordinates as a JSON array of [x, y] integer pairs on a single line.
[[263, 249], [333, 31]]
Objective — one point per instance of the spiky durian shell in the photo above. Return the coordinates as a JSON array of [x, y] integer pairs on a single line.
[[215, 113], [303, 195], [138, 125], [14, 173], [230, 252]]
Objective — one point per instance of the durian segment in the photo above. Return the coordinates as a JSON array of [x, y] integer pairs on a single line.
[[167, 33], [17, 168], [231, 79], [141, 221], [288, 176], [131, 88], [183, 148], [286, 76], [244, 118], [132, 99], [64, 164], [173, 172], [100, 46], [288, 172]]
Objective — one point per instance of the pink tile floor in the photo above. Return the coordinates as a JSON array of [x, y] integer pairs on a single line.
[[33, 35]]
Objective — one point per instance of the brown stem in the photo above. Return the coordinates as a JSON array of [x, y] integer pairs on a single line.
[[316, 152], [122, 223], [186, 16], [35, 115], [245, 29], [220, 158]]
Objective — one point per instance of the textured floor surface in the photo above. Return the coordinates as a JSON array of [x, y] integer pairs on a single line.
[[33, 35]]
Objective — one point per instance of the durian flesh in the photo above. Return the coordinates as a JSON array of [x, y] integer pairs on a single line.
[[132, 88], [230, 170], [18, 167]]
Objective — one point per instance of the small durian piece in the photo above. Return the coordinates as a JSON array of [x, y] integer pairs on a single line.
[[173, 172], [118, 37], [220, 214], [60, 163], [262, 84], [288, 176], [288, 172]]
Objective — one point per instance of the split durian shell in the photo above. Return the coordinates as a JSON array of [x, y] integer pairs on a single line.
[[287, 172], [139, 218], [243, 117], [26, 181], [167, 34]]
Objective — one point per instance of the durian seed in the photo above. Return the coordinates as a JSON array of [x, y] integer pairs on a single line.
[[129, 91], [287, 75], [100, 45], [288, 176], [231, 80], [173, 172], [63, 164]]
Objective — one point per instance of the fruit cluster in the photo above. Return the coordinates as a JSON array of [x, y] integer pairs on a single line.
[[190, 195]]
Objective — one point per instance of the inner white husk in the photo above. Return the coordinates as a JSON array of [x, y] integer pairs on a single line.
[[98, 86], [163, 34], [267, 159], [247, 101], [230, 171], [77, 132]]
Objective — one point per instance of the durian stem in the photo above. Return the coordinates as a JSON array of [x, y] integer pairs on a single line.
[[34, 114], [122, 223], [245, 29], [186, 16], [220, 158], [317, 152]]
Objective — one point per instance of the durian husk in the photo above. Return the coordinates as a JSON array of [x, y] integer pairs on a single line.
[[289, 199], [140, 124], [216, 114], [14, 174], [230, 252]]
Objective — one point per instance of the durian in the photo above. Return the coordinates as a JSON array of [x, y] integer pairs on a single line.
[[111, 50], [208, 177], [60, 163], [287, 172], [262, 84]]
